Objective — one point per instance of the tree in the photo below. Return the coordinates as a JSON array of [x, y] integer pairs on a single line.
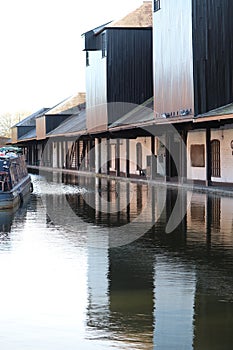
[[7, 120]]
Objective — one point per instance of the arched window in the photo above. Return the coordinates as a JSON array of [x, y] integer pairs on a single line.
[[215, 158], [139, 156]]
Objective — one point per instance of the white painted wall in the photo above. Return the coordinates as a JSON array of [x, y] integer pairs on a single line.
[[146, 151], [226, 157]]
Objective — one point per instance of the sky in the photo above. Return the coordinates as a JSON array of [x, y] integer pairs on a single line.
[[41, 59]]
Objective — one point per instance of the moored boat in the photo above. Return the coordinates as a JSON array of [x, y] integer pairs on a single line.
[[15, 182]]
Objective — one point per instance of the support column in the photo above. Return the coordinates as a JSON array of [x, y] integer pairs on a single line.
[[208, 157], [108, 155], [153, 159], [168, 158], [66, 155], [78, 153], [92, 155], [127, 158], [58, 156], [183, 157], [118, 157], [98, 157], [62, 154], [30, 155]]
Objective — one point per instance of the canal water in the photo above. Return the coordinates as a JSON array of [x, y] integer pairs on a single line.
[[88, 263]]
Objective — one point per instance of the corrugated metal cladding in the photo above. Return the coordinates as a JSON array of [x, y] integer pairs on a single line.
[[129, 67], [173, 57], [212, 53]]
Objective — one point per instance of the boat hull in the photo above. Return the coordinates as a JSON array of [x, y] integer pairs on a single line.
[[12, 198]]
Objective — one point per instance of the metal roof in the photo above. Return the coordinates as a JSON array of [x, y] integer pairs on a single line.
[[74, 124], [224, 110], [140, 114], [30, 120]]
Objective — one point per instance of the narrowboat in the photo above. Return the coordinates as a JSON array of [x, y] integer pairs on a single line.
[[15, 182]]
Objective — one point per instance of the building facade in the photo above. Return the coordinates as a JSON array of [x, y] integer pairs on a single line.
[[158, 101]]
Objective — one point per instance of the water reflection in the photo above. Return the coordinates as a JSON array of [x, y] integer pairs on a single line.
[[9, 218], [148, 291], [151, 290]]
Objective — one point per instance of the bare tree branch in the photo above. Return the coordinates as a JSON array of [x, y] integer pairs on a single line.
[[7, 120]]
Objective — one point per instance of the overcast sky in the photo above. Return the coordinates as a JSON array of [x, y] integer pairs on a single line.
[[41, 58]]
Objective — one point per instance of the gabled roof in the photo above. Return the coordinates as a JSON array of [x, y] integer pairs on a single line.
[[31, 119], [71, 105]]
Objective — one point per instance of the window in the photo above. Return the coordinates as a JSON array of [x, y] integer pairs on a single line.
[[156, 5], [215, 158], [87, 59], [103, 45], [197, 155]]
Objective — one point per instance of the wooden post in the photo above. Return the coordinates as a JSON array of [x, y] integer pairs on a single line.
[[92, 155], [167, 158], [183, 157], [108, 155], [99, 156], [153, 159], [127, 159], [208, 157], [118, 157]]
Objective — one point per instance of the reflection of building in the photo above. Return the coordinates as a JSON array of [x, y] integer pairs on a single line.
[[160, 288], [175, 284], [131, 293], [98, 283]]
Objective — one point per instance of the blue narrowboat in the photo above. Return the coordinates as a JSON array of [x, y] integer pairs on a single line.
[[15, 182]]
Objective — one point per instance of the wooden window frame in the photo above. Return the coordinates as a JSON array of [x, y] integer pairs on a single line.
[[197, 155], [215, 158]]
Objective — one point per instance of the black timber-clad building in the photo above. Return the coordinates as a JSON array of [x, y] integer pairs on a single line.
[[212, 54], [118, 67]]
